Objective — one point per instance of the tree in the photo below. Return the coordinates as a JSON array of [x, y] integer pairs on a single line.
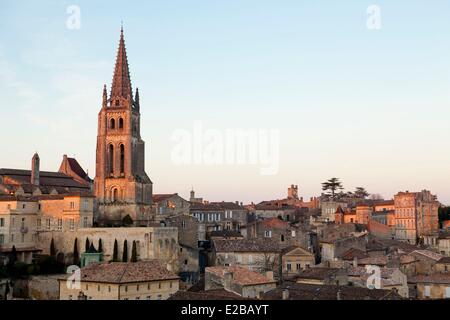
[[127, 221], [87, 245], [125, 251], [361, 193], [76, 255], [332, 186], [52, 248], [12, 256], [134, 252], [100, 245], [115, 252]]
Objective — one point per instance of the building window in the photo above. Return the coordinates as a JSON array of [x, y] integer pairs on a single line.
[[60, 224], [159, 285], [72, 205], [268, 234], [23, 206], [288, 267], [185, 262], [137, 288], [98, 288], [183, 224], [293, 233], [85, 222], [111, 159], [298, 266], [126, 288], [72, 224], [122, 158], [48, 223], [427, 291], [282, 238], [109, 288], [2, 222], [120, 123], [112, 124]]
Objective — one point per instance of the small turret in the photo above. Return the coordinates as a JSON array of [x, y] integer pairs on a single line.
[[105, 97], [35, 161]]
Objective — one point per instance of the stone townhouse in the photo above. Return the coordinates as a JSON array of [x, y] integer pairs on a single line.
[[146, 280], [329, 208], [259, 255], [268, 210], [426, 260], [433, 286], [235, 215], [294, 259], [416, 215], [333, 246], [443, 245], [188, 238], [167, 205], [443, 265], [25, 220], [246, 283], [376, 277], [282, 232]]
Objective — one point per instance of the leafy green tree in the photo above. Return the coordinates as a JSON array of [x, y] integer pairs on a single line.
[[127, 221], [52, 248], [115, 252], [134, 252], [332, 186], [361, 193], [125, 251]]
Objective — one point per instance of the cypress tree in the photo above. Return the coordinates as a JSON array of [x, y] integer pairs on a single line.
[[100, 245], [52, 248], [87, 245], [76, 256], [134, 253], [115, 252], [125, 251]]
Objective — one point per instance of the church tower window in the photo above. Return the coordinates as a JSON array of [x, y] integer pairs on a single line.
[[120, 123], [111, 159], [122, 158], [112, 124]]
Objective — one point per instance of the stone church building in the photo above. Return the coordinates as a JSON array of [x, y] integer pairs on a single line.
[[121, 185]]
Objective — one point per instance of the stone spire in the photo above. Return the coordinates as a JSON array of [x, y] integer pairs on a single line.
[[136, 99], [121, 85], [105, 97]]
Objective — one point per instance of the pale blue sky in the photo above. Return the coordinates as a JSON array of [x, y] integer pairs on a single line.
[[370, 107]]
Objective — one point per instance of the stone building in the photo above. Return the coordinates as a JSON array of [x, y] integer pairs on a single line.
[[23, 220], [34, 182], [121, 185], [151, 243], [259, 255], [329, 208], [246, 283], [433, 286], [294, 259], [145, 280], [416, 215], [167, 205], [189, 253]]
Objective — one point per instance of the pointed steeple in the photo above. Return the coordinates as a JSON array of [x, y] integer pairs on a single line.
[[136, 99], [121, 85]]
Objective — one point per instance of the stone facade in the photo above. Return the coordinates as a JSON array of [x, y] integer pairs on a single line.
[[416, 215], [151, 242], [167, 205], [121, 185]]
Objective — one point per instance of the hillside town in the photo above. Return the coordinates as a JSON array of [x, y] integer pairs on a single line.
[[67, 236]]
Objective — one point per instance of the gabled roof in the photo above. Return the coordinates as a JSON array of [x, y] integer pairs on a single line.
[[296, 250], [124, 272], [353, 253], [242, 276], [246, 245], [162, 197]]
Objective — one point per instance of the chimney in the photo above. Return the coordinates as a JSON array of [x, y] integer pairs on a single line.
[[237, 202], [228, 279], [338, 294], [35, 169], [355, 262], [285, 294], [269, 275]]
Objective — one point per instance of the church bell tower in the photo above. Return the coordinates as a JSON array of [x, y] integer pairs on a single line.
[[121, 184]]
